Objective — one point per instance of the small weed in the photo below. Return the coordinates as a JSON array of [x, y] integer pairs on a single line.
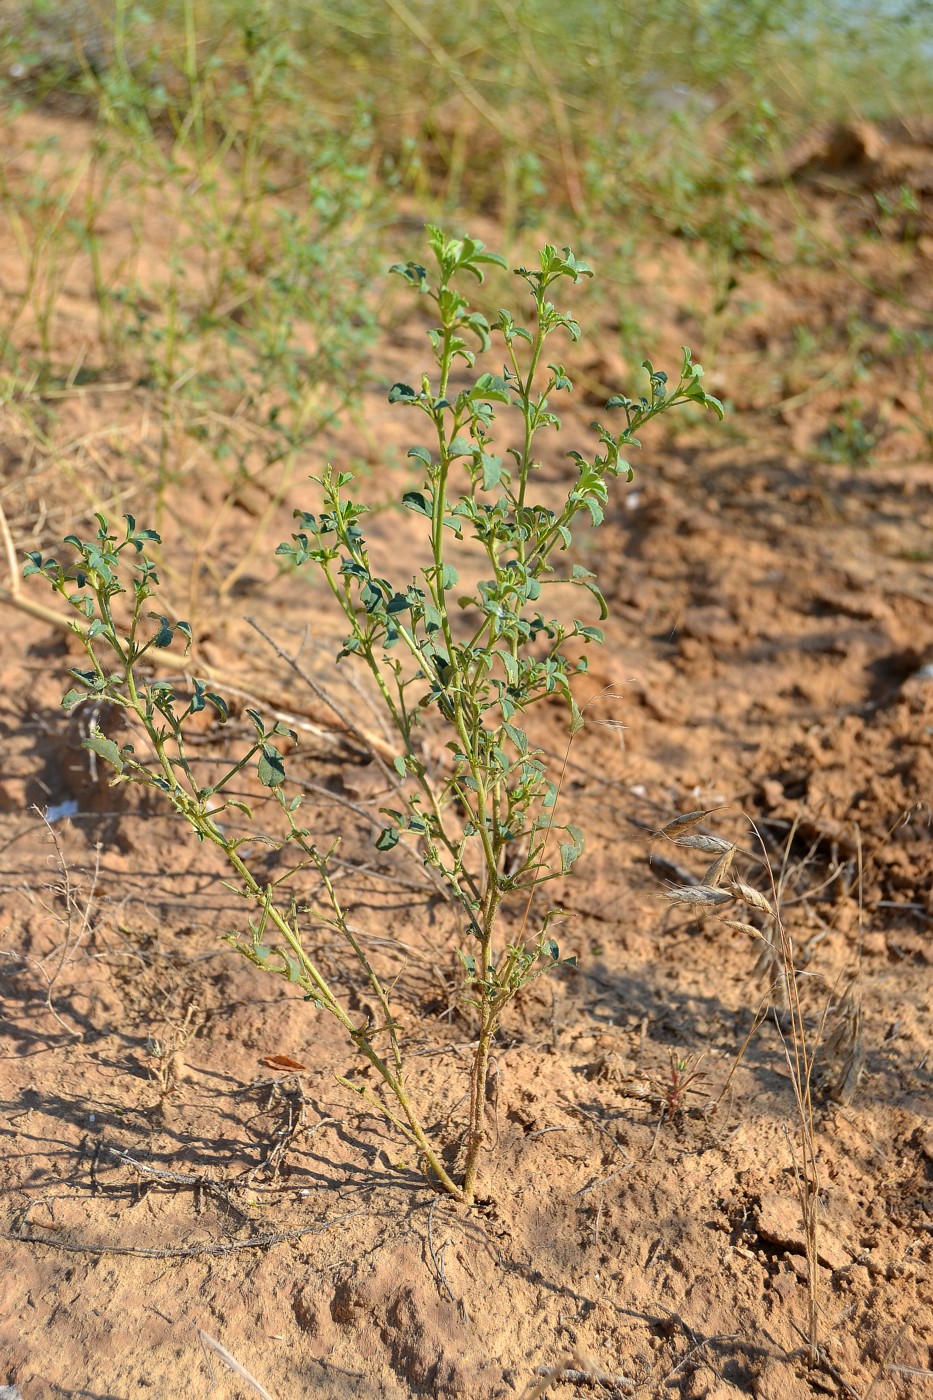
[[851, 439], [899, 214], [685, 1074], [473, 659]]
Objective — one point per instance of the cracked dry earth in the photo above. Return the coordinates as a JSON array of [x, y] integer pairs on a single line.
[[181, 1171]]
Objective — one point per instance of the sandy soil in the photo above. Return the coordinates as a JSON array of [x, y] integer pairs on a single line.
[[771, 642]]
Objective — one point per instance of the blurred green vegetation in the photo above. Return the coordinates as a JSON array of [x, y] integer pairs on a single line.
[[504, 105], [226, 173]]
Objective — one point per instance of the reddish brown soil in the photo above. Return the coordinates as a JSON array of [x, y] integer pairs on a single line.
[[771, 645]]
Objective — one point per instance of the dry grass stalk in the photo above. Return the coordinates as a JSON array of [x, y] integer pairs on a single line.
[[74, 912], [578, 1370], [776, 964], [209, 1343], [771, 967], [799, 1056]]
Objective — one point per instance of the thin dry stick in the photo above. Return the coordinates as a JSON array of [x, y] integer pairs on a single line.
[[437, 1258], [578, 1370], [69, 944], [70, 947], [211, 1343], [380, 750], [759, 1019], [191, 1252]]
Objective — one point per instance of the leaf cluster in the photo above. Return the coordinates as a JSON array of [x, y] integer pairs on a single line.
[[479, 658]]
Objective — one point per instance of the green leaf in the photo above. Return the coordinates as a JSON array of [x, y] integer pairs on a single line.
[[413, 273], [34, 564], [491, 387], [510, 666], [387, 838], [449, 577], [586, 580], [518, 736], [415, 500], [492, 470], [219, 704], [271, 767], [403, 393], [164, 636], [371, 596], [104, 748], [572, 848], [88, 678]]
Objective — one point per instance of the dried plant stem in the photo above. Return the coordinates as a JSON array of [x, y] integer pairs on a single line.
[[382, 752], [211, 1343], [800, 1060]]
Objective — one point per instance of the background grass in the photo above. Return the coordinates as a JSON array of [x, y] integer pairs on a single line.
[[229, 179]]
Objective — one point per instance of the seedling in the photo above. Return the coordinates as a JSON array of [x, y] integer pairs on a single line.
[[470, 661], [685, 1074]]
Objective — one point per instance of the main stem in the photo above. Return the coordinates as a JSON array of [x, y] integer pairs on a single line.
[[477, 1129], [489, 1022]]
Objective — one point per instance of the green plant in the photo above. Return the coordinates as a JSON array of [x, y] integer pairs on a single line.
[[469, 659], [683, 1079], [851, 439]]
